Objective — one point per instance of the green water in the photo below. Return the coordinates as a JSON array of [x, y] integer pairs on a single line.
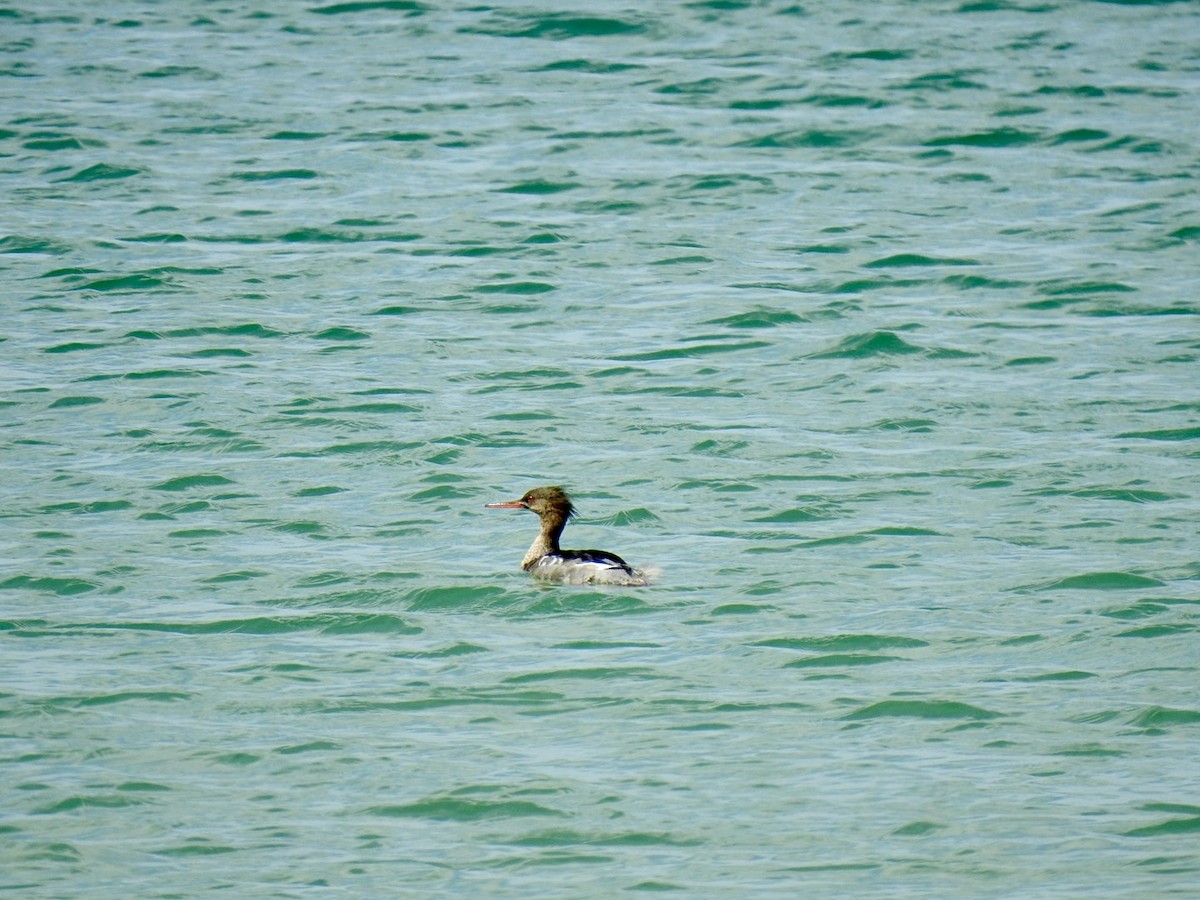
[[873, 327]]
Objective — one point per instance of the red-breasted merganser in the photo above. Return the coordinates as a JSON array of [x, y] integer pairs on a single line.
[[548, 561]]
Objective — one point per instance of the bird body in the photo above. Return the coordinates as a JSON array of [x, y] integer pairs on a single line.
[[548, 561]]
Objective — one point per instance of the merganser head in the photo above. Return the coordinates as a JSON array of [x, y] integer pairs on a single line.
[[543, 501]]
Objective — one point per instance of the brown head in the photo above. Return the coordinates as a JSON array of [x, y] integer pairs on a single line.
[[552, 501]]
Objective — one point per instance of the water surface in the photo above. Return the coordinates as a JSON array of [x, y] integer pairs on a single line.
[[874, 328]]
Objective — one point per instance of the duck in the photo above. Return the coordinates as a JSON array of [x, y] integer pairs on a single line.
[[547, 561]]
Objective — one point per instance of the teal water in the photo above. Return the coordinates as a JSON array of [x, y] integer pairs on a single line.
[[873, 326]]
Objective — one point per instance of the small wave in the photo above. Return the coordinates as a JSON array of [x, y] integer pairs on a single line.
[[1161, 716], [102, 172], [556, 27], [995, 138], [843, 642], [918, 259], [359, 6], [62, 586], [869, 344], [189, 482], [276, 175], [838, 660], [808, 139], [923, 709], [460, 809]]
